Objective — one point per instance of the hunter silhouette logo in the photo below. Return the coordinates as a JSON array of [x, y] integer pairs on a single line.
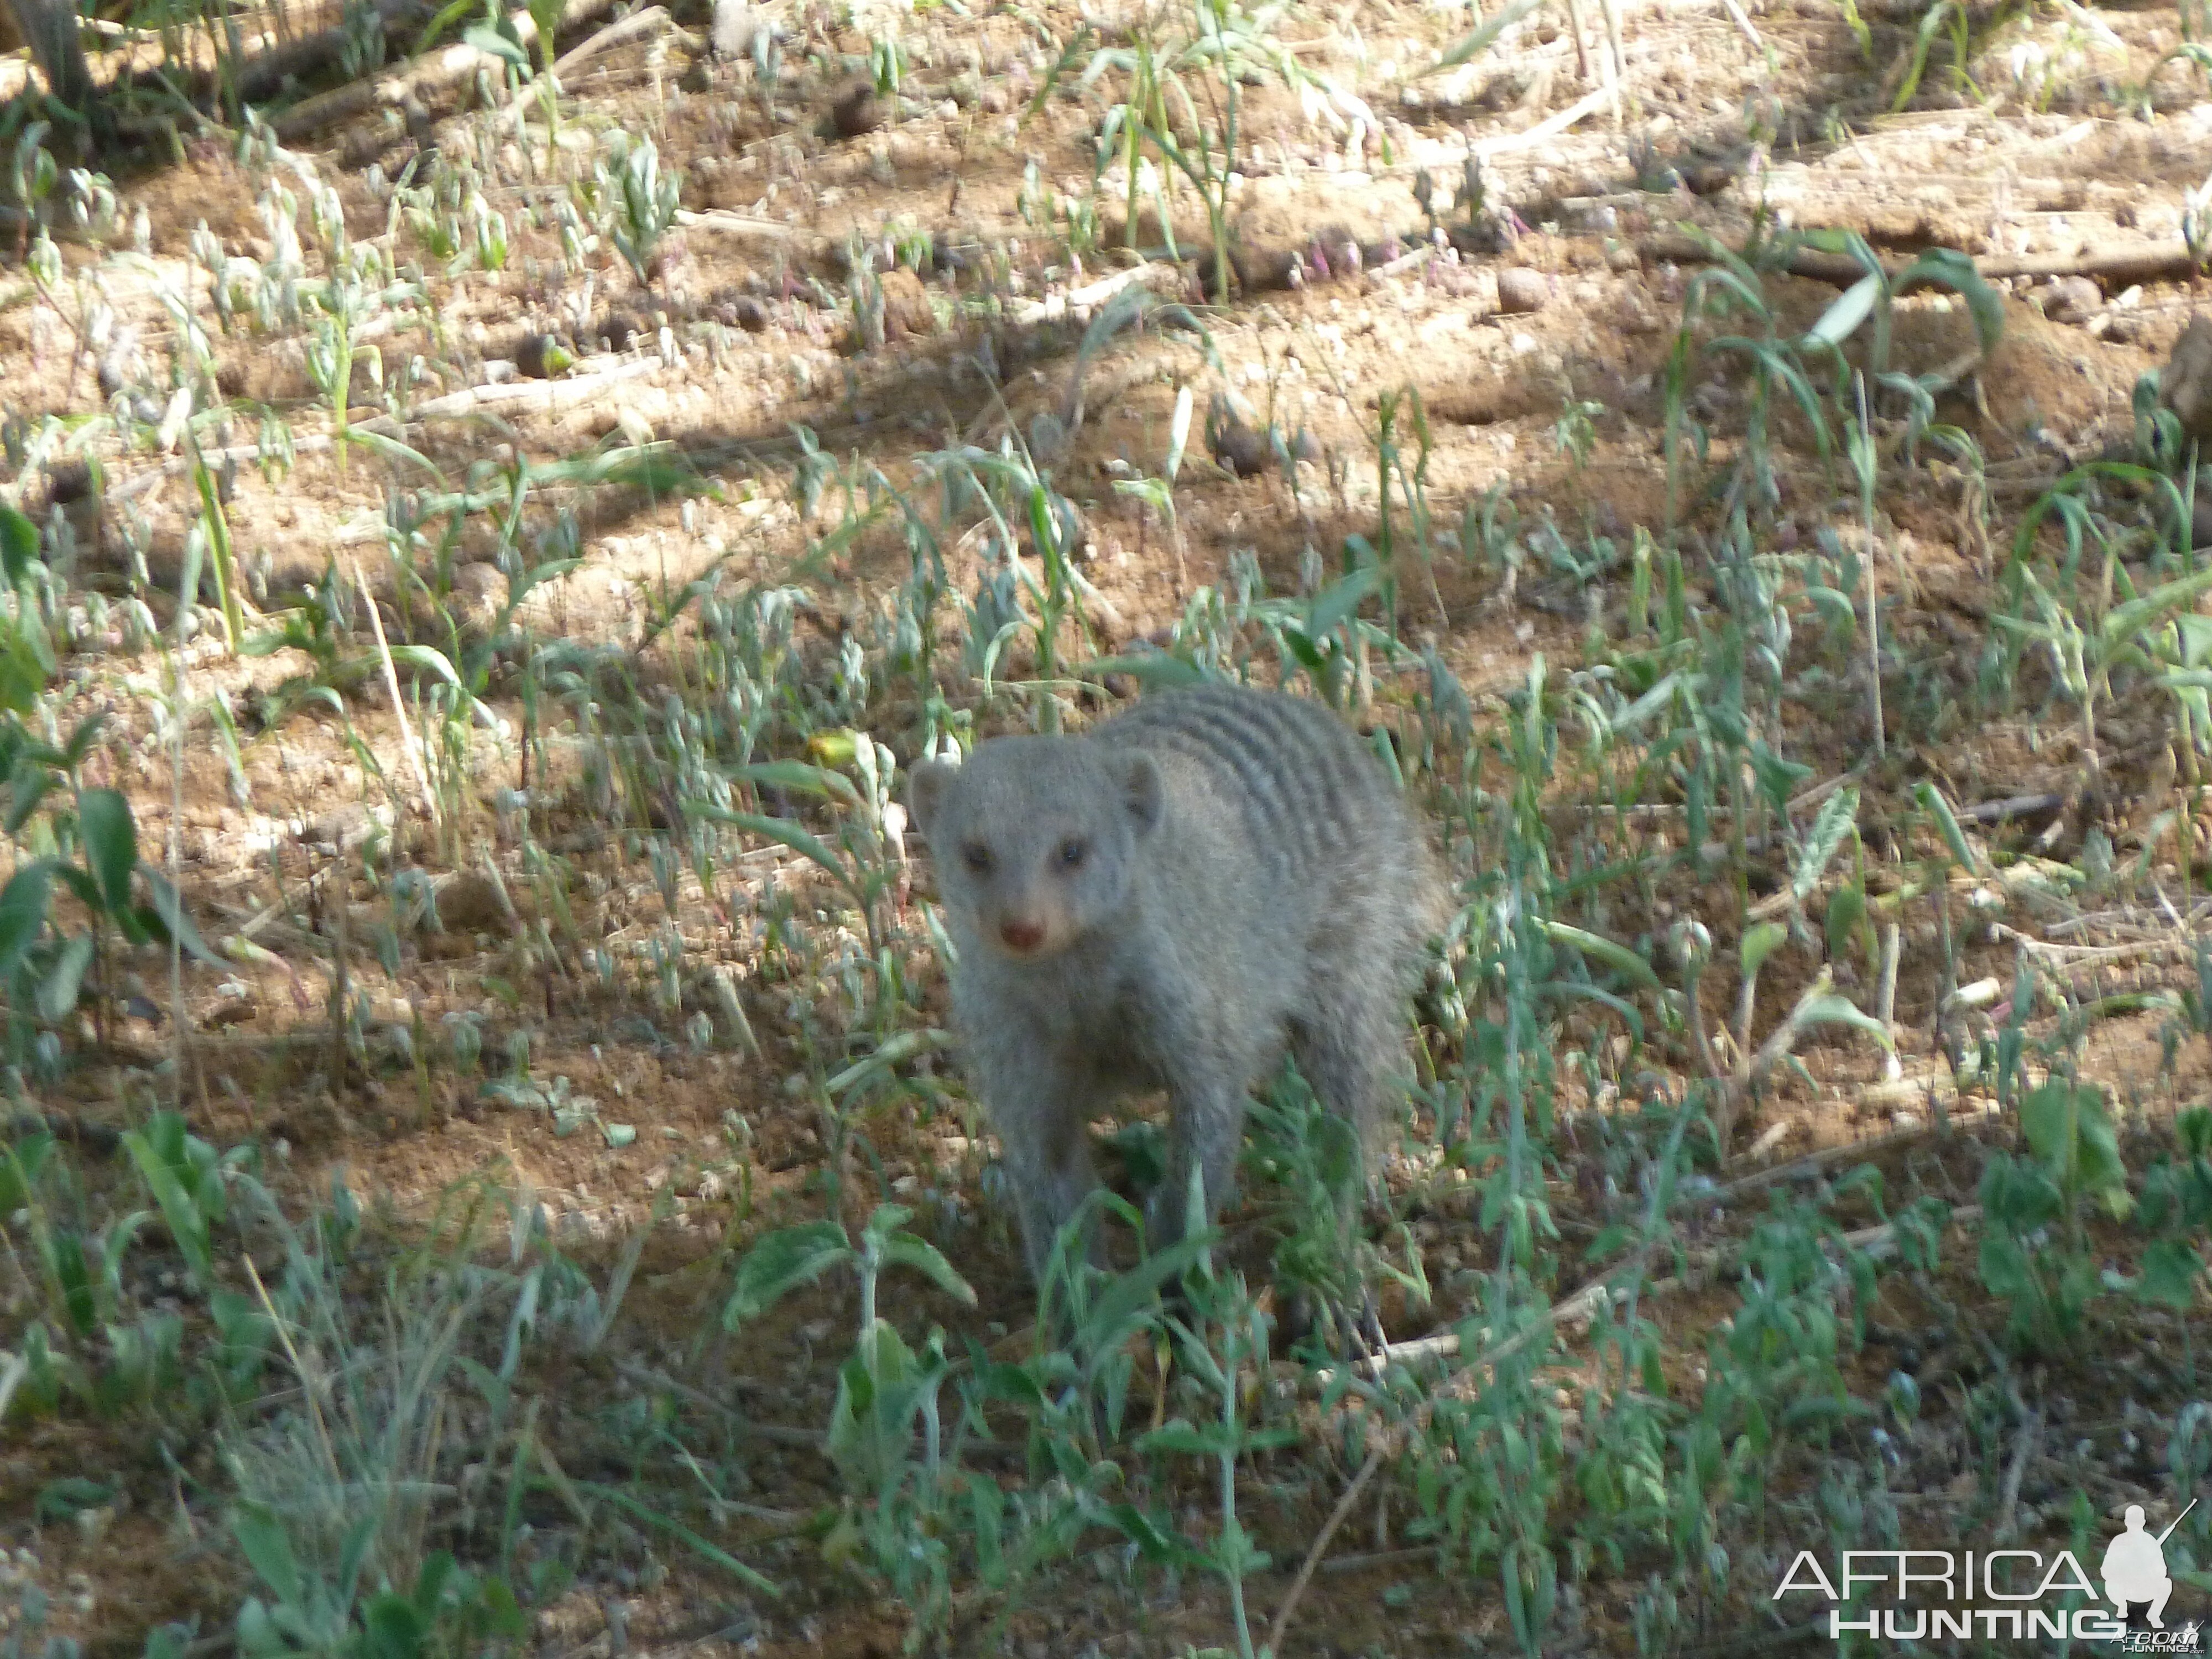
[[2135, 1566]]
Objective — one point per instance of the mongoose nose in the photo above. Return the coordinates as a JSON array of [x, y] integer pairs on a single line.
[[1021, 935]]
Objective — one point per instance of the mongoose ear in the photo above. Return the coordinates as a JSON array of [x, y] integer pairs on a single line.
[[925, 794], [1141, 792]]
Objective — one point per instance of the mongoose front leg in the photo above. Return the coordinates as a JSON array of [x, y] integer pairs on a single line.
[[1345, 1054], [1041, 1109], [1345, 1057], [1208, 1128]]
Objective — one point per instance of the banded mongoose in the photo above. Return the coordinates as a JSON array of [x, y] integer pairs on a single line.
[[1168, 902]]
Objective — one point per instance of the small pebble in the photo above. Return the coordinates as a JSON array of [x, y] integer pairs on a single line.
[[1521, 289], [857, 110], [2072, 299]]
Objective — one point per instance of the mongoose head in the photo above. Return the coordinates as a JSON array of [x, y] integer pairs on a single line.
[[1035, 838]]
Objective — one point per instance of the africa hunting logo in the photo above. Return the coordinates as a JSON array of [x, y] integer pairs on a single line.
[[1919, 1595]]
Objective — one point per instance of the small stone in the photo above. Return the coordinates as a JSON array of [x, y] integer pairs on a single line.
[[1521, 289], [2185, 385], [1334, 253], [342, 827], [481, 590], [68, 483], [469, 902], [231, 1010], [907, 315], [736, 25], [1240, 449], [541, 356], [857, 110], [1709, 178], [2072, 299]]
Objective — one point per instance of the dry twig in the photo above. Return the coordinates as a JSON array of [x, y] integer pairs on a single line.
[[651, 20], [449, 66], [1282, 1622], [2140, 262]]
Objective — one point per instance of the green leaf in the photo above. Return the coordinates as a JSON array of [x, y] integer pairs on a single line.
[[1838, 814], [2072, 1136], [1336, 604], [1615, 955], [69, 1494], [57, 992], [2103, 1170], [19, 545], [269, 1550], [19, 1169], [1847, 908], [428, 659], [26, 667], [1847, 311], [1303, 649], [1779, 778], [797, 775], [110, 843], [1759, 942], [391, 1624], [784, 832], [2004, 1265], [118, 1245], [257, 1635], [498, 42], [1157, 1542], [1949, 268], [1109, 1321], [1179, 1436], [169, 906], [1931, 24], [78, 1292], [905, 1250], [2171, 1270], [1480, 41], [2047, 1118], [437, 1573], [1933, 803], [80, 742], [23, 905], [1849, 243], [83, 886], [390, 449], [2124, 622], [187, 1224], [1841, 1011], [503, 1612], [25, 796], [781, 1262], [722, 1558]]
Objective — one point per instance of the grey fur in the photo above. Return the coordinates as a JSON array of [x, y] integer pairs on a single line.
[[1250, 878]]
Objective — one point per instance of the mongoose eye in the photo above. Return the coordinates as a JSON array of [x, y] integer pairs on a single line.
[[1073, 852], [977, 857]]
